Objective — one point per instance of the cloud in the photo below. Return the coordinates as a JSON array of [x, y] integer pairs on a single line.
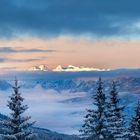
[[53, 17], [3, 60], [7, 68], [7, 50], [55, 103], [22, 60], [11, 50]]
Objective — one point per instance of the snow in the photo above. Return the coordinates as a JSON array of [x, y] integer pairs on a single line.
[[71, 68], [39, 68]]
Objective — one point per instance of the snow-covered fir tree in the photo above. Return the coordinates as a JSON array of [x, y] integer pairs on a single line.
[[134, 130], [95, 126], [17, 126], [115, 116]]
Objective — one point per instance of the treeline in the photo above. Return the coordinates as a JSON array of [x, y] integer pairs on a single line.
[[106, 121]]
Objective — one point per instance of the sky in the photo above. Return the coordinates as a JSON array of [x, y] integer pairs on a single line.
[[90, 33]]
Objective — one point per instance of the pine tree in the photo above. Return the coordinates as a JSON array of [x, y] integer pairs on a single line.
[[115, 115], [95, 120], [17, 127], [134, 129]]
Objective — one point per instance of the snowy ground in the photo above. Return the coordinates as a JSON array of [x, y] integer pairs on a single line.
[[61, 112]]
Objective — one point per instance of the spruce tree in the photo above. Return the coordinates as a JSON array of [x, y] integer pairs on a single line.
[[134, 130], [95, 120], [115, 115], [17, 126]]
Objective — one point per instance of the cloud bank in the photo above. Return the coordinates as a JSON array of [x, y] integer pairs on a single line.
[[53, 17], [44, 105], [11, 50]]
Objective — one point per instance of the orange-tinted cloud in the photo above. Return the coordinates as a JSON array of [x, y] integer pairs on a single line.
[[70, 50]]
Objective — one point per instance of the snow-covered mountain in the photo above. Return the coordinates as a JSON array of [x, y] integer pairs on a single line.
[[125, 84], [71, 68], [39, 68]]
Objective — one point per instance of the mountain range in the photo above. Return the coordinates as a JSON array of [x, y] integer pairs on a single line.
[[77, 85], [69, 68]]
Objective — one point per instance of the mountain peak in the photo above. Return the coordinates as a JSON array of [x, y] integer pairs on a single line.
[[39, 68], [71, 68]]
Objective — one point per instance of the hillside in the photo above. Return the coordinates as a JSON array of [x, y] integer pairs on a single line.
[[44, 134]]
